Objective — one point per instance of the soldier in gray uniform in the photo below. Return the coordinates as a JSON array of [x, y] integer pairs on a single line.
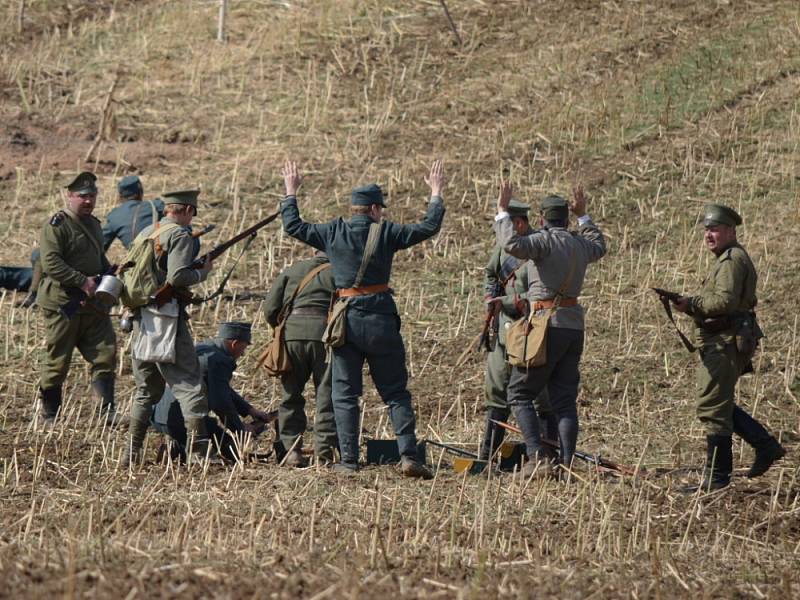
[[183, 376], [217, 358], [133, 214], [305, 324], [506, 280], [23, 279], [372, 322], [553, 253]]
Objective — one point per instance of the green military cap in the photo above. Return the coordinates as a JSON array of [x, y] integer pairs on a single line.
[[367, 195], [518, 209], [235, 330], [129, 186], [718, 214], [555, 208], [84, 183], [187, 197]]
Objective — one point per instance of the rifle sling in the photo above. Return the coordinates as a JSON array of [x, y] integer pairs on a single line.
[[668, 309]]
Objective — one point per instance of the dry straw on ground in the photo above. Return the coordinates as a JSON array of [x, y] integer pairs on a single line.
[[656, 107]]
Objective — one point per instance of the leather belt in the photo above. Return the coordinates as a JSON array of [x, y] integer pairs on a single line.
[[551, 302], [364, 290], [310, 312]]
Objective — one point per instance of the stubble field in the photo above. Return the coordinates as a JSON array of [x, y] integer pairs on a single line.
[[656, 107]]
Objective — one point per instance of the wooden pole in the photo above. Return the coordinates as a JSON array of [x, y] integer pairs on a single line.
[[453, 27], [223, 9], [20, 16]]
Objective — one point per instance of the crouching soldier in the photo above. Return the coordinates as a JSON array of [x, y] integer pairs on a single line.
[[176, 250], [217, 358], [301, 296]]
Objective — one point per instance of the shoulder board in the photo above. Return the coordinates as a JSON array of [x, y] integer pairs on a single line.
[[726, 254], [58, 218]]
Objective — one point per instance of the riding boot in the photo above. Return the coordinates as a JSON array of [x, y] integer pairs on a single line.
[[493, 434], [50, 404], [529, 424], [548, 426], [200, 446], [768, 449], [134, 454], [719, 464], [568, 436], [104, 391]]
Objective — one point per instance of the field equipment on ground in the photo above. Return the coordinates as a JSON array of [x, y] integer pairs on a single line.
[[511, 457], [166, 293]]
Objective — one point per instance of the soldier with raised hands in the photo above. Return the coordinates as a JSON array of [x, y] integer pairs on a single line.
[[365, 325], [558, 260]]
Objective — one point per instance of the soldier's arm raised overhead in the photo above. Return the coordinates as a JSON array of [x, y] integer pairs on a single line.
[[531, 246], [314, 235], [405, 236], [588, 232]]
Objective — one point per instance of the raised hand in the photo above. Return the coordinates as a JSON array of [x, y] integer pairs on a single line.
[[436, 180], [578, 204], [291, 177], [504, 198]]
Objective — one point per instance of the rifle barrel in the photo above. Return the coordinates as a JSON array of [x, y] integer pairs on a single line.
[[218, 250]]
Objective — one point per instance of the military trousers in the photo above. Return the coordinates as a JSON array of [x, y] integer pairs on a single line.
[[91, 333], [184, 378], [309, 361], [179, 437], [16, 278], [498, 373], [717, 373], [561, 377], [374, 338]]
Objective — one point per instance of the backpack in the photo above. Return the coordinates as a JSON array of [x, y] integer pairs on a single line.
[[141, 280]]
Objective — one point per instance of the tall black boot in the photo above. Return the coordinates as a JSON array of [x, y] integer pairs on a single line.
[[719, 464], [548, 426], [50, 404], [493, 434], [768, 449], [104, 391]]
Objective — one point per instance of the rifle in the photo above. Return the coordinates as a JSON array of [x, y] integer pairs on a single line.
[[166, 292], [493, 310], [667, 297], [77, 296], [596, 460]]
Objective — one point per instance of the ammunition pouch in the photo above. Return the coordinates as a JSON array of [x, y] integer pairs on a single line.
[[747, 335]]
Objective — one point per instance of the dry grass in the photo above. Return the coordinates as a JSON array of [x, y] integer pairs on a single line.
[[657, 108]]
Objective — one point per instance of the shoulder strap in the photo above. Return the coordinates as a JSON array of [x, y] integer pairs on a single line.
[[286, 308], [158, 230], [567, 280], [369, 250]]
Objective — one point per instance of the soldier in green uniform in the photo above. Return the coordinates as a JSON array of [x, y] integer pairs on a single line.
[[506, 279], [71, 245], [133, 214], [305, 324], [726, 333], [184, 377]]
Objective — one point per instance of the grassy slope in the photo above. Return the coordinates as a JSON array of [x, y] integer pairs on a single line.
[[657, 109]]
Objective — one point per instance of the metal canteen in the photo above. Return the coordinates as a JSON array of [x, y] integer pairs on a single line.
[[109, 290]]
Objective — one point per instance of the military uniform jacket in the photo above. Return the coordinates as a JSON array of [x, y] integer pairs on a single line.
[[344, 242], [217, 366], [501, 264], [310, 314], [179, 249], [128, 219], [729, 290], [71, 251], [548, 251]]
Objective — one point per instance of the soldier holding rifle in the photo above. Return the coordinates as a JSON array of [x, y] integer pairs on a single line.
[[183, 375], [727, 335], [371, 323], [506, 278], [71, 256], [558, 262]]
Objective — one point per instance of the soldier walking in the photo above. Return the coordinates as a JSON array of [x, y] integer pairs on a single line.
[[132, 215], [558, 262], [371, 321], [183, 375], [305, 312], [727, 335], [506, 279], [72, 255]]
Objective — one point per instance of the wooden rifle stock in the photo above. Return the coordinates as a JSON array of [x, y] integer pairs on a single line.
[[166, 292]]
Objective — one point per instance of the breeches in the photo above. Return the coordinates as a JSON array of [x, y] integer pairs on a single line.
[[719, 370]]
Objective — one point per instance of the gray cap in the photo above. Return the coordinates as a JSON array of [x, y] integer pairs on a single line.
[[235, 330], [518, 209], [555, 208], [130, 186]]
